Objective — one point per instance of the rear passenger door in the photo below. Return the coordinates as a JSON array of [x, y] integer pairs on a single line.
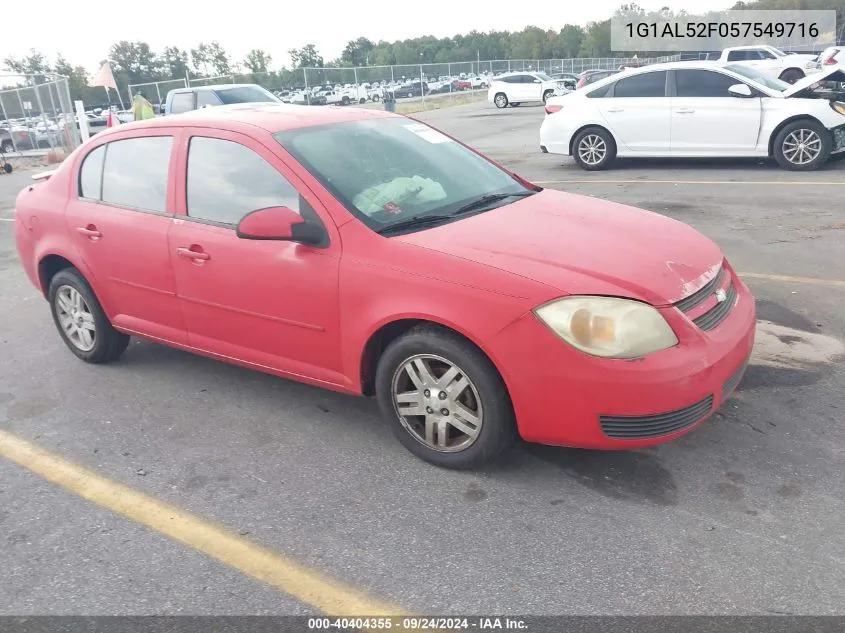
[[638, 112], [118, 216]]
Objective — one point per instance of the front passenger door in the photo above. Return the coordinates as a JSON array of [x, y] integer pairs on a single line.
[[270, 303]]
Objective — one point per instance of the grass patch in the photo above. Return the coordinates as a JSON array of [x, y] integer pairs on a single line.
[[441, 102]]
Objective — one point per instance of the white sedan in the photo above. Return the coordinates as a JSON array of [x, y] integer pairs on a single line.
[[511, 89], [698, 109]]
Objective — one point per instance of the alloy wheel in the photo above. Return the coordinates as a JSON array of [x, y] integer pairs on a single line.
[[437, 403], [802, 146], [592, 149], [76, 318]]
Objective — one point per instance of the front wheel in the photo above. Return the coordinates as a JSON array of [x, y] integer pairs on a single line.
[[7, 147], [802, 146], [376, 98], [81, 321], [501, 100], [444, 399], [548, 95], [594, 149]]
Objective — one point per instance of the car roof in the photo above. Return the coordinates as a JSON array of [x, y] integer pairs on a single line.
[[272, 117], [215, 87]]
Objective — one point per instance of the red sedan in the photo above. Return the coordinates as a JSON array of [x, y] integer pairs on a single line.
[[365, 252]]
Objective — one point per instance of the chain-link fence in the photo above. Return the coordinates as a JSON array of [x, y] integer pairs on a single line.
[[156, 91], [365, 83], [37, 115]]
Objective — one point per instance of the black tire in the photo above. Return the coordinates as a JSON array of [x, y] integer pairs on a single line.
[[609, 144], [7, 147], [7, 168], [109, 344], [376, 98], [808, 126], [362, 100], [344, 100], [498, 424], [791, 75], [500, 100], [548, 95]]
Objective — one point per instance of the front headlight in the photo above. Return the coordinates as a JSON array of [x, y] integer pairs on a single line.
[[838, 106], [607, 326]]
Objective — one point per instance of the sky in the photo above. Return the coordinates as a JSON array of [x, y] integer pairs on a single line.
[[83, 33]]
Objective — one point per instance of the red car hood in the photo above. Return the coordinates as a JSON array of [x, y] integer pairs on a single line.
[[581, 245]]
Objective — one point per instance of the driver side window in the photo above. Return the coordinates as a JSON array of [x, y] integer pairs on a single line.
[[227, 180]]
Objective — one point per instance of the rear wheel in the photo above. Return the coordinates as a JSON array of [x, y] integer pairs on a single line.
[[81, 321], [445, 400], [594, 149], [376, 98], [791, 75], [802, 146], [501, 100]]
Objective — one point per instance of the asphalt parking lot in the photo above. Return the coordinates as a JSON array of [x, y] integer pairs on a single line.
[[742, 516]]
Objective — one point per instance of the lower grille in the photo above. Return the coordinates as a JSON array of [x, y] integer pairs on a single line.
[[646, 426], [717, 314]]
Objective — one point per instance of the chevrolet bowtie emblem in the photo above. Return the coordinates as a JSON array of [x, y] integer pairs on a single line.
[[721, 295]]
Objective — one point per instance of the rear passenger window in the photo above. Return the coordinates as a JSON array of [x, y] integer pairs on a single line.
[[599, 93], [182, 102], [227, 180], [651, 84], [135, 173], [91, 174]]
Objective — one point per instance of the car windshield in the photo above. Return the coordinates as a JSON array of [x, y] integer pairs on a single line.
[[543, 76], [756, 76], [245, 94], [386, 171]]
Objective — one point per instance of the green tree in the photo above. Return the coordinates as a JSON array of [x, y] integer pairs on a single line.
[[210, 59], [306, 57], [135, 61], [258, 61], [33, 64], [357, 52], [174, 62], [597, 40]]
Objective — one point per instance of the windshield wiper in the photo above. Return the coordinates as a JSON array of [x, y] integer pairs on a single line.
[[490, 198], [416, 222]]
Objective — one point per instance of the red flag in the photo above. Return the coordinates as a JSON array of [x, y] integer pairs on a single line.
[[112, 119], [104, 77]]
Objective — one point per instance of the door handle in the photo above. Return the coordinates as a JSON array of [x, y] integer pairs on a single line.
[[188, 253], [684, 110], [616, 109], [90, 232]]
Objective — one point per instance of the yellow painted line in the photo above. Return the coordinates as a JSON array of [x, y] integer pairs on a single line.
[[796, 280], [262, 564], [692, 182]]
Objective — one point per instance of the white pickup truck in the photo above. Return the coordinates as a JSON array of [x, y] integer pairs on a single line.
[[789, 67]]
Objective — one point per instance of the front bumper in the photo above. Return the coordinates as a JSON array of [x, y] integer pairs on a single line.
[[566, 398]]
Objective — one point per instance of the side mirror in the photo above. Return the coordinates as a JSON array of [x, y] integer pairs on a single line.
[[278, 223], [740, 90]]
